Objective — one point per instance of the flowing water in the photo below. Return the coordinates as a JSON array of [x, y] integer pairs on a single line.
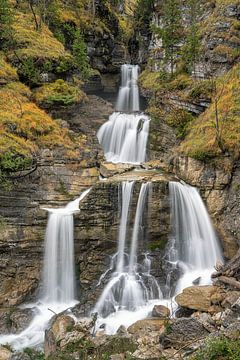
[[128, 96], [58, 276], [131, 289], [124, 136], [194, 245]]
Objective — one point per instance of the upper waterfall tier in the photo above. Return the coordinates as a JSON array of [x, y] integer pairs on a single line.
[[124, 136], [128, 96]]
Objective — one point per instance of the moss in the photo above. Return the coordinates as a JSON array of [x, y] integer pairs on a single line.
[[59, 93], [201, 141], [219, 348], [158, 244], [7, 72]]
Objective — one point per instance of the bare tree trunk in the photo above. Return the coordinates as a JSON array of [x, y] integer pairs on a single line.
[[37, 26]]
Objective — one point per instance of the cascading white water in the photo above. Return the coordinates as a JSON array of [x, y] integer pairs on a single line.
[[58, 276], [131, 285], [195, 247], [128, 96], [58, 269], [124, 136]]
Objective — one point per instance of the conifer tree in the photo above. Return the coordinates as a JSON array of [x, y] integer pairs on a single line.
[[5, 22], [191, 50], [79, 50], [171, 31]]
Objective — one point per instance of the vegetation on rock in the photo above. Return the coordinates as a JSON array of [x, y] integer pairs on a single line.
[[58, 93]]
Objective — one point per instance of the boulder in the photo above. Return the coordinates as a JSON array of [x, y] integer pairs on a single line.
[[61, 326], [182, 331], [110, 169], [200, 298], [142, 327], [160, 311], [5, 354]]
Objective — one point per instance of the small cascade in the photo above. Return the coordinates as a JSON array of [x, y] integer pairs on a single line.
[[128, 96], [194, 246], [131, 285], [124, 136], [58, 276]]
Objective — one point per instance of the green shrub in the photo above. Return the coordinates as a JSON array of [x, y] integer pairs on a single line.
[[59, 93], [34, 354], [220, 348], [29, 71], [79, 50], [12, 162], [179, 119]]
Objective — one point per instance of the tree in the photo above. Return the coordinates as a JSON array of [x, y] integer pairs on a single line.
[[79, 50], [171, 31], [6, 19], [191, 50]]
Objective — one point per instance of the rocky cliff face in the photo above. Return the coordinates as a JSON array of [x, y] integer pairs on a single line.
[[56, 180]]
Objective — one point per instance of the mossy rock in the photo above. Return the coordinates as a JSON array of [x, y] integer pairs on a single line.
[[59, 93]]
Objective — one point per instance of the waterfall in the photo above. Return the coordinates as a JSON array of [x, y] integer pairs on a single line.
[[131, 286], [124, 136], [194, 246], [58, 269], [128, 96], [58, 276]]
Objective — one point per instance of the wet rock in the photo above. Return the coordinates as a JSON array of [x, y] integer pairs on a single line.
[[61, 326], [199, 298], [181, 331], [109, 169], [160, 311], [122, 330], [14, 320]]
